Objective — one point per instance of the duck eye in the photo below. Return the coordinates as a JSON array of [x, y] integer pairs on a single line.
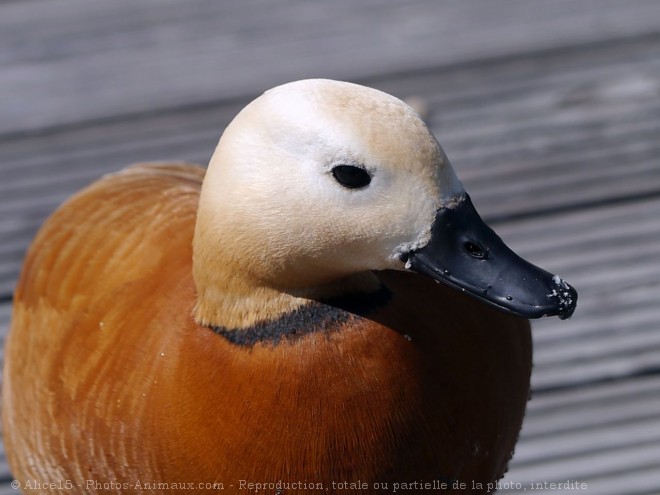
[[351, 176]]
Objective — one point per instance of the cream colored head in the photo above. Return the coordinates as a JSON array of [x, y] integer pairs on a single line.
[[272, 211]]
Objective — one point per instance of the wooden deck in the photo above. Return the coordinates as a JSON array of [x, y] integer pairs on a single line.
[[549, 111]]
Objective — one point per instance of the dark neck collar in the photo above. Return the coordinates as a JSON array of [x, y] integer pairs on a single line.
[[317, 316]]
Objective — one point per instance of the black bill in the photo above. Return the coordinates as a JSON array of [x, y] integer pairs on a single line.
[[466, 254]]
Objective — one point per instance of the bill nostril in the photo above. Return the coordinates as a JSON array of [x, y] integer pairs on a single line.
[[475, 250]]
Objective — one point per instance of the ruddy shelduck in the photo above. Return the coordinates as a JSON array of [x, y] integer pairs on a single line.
[[321, 310]]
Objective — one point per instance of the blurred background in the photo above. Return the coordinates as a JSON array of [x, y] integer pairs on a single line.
[[549, 111]]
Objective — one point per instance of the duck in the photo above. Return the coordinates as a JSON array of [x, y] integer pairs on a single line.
[[321, 309]]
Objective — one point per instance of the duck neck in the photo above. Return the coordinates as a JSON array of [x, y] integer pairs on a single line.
[[229, 299], [238, 287], [238, 305]]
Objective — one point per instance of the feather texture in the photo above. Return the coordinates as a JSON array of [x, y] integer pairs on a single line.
[[108, 376]]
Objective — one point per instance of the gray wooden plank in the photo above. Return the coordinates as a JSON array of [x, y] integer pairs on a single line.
[[623, 464], [5, 317], [598, 395], [605, 436], [580, 147], [643, 481], [5, 314], [5, 475], [590, 415], [72, 61], [585, 441], [611, 255]]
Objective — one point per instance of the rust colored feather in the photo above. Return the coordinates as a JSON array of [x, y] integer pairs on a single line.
[[109, 378]]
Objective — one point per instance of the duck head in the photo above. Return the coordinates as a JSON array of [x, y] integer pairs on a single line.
[[320, 181]]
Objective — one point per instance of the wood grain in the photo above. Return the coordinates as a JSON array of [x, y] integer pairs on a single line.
[[550, 114], [71, 61]]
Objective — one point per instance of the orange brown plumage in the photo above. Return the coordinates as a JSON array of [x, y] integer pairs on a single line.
[[114, 371]]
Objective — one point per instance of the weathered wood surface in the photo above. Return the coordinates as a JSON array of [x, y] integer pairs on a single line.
[[75, 60], [550, 114], [605, 435]]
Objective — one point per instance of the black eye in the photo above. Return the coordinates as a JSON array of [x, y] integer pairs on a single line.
[[350, 176]]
